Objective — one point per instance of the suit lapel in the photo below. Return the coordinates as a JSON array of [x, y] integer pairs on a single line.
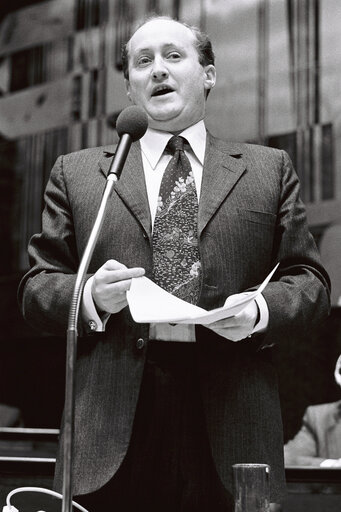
[[131, 186], [223, 167]]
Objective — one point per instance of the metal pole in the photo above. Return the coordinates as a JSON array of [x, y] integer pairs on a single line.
[[71, 353]]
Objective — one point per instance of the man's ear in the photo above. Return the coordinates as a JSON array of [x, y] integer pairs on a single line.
[[127, 84], [210, 77]]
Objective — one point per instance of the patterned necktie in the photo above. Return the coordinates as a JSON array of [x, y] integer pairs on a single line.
[[176, 262]]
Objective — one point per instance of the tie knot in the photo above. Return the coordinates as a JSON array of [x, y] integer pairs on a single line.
[[176, 143]]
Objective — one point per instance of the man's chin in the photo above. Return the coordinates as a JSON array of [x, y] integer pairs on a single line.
[[165, 120], [162, 115]]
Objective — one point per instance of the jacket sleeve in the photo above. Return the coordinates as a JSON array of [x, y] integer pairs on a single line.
[[302, 450], [45, 291], [298, 298]]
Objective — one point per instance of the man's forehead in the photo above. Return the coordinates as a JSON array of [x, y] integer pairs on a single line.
[[166, 31]]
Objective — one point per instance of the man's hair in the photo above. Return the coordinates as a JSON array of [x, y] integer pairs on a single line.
[[202, 43]]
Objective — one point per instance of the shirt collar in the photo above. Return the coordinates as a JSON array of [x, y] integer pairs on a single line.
[[154, 142]]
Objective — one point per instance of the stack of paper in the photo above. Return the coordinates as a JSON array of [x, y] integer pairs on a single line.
[[149, 303]]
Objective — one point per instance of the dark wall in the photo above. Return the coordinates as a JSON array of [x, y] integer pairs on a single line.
[[32, 367], [306, 371]]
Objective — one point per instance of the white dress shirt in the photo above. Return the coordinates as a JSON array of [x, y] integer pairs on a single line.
[[155, 161]]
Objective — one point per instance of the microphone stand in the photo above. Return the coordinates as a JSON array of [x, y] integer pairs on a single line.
[[71, 350]]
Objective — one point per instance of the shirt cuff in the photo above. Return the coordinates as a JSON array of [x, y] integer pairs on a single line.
[[90, 315], [263, 322]]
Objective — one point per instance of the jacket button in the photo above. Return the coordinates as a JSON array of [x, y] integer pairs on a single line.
[[140, 343], [92, 325]]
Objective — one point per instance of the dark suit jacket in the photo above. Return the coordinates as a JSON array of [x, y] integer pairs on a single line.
[[250, 217], [319, 437]]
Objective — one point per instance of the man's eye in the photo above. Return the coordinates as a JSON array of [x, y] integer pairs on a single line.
[[142, 61], [173, 55]]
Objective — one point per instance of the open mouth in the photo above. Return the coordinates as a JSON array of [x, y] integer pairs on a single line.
[[161, 90]]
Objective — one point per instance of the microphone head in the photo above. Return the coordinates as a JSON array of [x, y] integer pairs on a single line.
[[132, 120]]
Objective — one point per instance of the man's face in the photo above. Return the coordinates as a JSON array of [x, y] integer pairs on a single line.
[[165, 76]]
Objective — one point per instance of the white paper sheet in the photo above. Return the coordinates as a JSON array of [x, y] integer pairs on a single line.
[[149, 303]]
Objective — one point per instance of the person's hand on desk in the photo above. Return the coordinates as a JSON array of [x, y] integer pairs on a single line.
[[110, 284], [331, 463], [238, 327]]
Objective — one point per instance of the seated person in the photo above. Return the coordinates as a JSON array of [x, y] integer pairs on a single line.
[[318, 443]]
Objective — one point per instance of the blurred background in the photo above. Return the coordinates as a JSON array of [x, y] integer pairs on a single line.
[[61, 89]]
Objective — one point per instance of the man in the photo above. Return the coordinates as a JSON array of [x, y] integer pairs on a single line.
[[318, 443], [163, 411]]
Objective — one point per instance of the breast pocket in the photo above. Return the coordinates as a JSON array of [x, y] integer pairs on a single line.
[[257, 217], [258, 230]]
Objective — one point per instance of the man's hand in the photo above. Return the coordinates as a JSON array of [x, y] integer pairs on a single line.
[[110, 284], [237, 327]]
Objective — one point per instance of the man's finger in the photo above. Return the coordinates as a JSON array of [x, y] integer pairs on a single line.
[[114, 276], [232, 321], [113, 265], [118, 287]]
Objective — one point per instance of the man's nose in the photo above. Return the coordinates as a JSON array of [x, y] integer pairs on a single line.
[[159, 71]]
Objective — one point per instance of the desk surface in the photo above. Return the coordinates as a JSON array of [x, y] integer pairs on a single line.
[[312, 474]]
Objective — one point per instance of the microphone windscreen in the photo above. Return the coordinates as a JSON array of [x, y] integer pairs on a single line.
[[132, 120]]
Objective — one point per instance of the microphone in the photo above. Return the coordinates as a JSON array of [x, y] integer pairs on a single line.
[[131, 125]]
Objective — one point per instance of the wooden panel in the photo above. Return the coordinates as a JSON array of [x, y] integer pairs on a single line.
[[116, 97], [37, 109], [324, 212], [313, 489], [46, 21]]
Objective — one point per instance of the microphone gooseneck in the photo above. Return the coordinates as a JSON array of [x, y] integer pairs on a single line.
[[131, 125]]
